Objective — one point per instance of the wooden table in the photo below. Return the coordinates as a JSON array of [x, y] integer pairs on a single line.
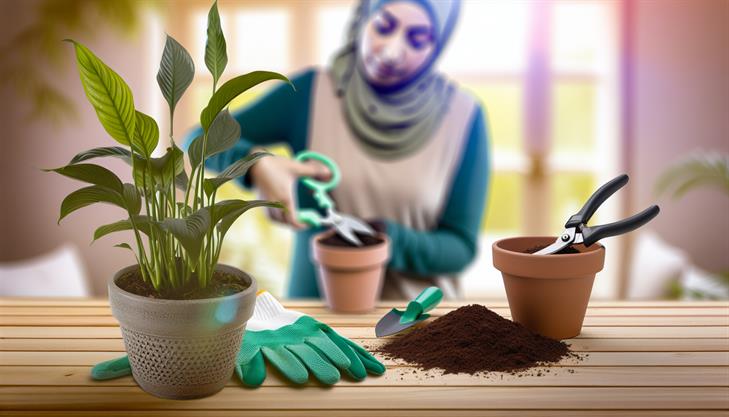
[[643, 359]]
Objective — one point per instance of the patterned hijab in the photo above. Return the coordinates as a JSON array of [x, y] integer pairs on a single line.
[[394, 122]]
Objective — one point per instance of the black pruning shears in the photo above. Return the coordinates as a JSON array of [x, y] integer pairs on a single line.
[[577, 231]]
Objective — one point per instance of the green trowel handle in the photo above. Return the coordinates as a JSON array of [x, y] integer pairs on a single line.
[[425, 301], [321, 188]]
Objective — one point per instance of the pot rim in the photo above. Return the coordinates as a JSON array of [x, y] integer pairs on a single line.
[[588, 262], [325, 234], [231, 269], [595, 247]]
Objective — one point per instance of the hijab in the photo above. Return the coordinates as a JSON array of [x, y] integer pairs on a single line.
[[395, 121]]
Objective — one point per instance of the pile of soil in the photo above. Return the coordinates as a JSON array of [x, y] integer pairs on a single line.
[[221, 285], [474, 339], [336, 240]]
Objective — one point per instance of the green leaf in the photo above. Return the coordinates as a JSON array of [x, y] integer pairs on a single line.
[[169, 166], [232, 89], [235, 170], [93, 174], [146, 135], [143, 223], [181, 180], [87, 196], [132, 199], [223, 135], [162, 170], [710, 169], [176, 71], [190, 231], [126, 246], [216, 57], [110, 96], [228, 211], [184, 209], [115, 151]]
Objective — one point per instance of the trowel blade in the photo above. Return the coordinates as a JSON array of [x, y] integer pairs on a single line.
[[390, 323]]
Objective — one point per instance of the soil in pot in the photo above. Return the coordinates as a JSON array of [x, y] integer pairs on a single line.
[[564, 251], [221, 285], [474, 339], [338, 241]]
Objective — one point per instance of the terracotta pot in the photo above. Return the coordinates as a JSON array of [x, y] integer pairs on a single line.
[[350, 277], [182, 349], [547, 293]]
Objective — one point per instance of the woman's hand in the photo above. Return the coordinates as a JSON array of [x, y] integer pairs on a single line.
[[275, 179]]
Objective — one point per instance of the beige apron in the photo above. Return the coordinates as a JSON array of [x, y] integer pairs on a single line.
[[412, 190]]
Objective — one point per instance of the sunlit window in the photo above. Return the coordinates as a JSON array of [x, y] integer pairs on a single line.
[[498, 50]]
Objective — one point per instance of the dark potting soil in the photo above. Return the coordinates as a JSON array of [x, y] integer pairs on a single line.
[[564, 251], [221, 285], [474, 339], [336, 240]]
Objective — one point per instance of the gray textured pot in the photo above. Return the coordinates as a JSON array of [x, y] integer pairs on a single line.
[[182, 349]]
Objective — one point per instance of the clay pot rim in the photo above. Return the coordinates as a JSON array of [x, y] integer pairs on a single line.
[[226, 268], [595, 247], [325, 234]]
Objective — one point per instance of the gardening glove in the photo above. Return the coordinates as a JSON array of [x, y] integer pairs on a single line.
[[291, 341], [297, 344]]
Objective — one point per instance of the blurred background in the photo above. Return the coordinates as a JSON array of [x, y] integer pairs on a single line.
[[576, 92]]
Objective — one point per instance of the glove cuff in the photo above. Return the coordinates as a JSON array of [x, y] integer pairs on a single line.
[[267, 307]]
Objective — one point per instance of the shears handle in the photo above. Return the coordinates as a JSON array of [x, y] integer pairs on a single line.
[[595, 200], [321, 188]]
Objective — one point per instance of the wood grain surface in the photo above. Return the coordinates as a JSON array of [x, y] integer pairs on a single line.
[[638, 358]]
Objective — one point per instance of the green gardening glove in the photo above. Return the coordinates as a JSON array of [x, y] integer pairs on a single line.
[[294, 343], [297, 344]]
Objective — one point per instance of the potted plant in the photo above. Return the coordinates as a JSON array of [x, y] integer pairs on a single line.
[[350, 276], [182, 315]]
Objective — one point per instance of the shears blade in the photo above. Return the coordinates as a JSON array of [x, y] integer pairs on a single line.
[[567, 238]]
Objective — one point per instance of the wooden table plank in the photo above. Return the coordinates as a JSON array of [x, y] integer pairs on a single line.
[[325, 314], [660, 357], [111, 332], [590, 359], [703, 376], [375, 398], [100, 302], [577, 345], [353, 321], [369, 413]]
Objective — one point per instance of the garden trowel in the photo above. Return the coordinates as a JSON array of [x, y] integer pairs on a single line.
[[396, 321]]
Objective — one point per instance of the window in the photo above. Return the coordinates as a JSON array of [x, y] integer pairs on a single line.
[[546, 72]]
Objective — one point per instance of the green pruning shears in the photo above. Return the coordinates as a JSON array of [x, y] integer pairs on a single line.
[[345, 225]]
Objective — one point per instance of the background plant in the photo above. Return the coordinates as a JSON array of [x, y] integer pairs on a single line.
[[178, 235], [697, 170]]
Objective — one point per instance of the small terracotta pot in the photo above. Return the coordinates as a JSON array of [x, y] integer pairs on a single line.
[[547, 294], [350, 277]]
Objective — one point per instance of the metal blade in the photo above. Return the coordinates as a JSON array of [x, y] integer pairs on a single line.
[[567, 238], [390, 323], [347, 233], [359, 226]]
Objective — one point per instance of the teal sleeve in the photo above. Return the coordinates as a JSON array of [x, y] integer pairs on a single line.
[[453, 244], [281, 116]]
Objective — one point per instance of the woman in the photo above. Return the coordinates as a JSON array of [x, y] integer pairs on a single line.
[[411, 146]]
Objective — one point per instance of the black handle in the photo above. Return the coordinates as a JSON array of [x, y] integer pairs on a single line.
[[596, 199], [592, 234]]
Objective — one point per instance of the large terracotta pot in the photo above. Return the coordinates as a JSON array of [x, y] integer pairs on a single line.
[[182, 349], [547, 293], [350, 277]]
